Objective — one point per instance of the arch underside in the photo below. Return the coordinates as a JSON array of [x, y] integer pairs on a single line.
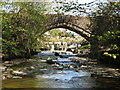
[[77, 30]]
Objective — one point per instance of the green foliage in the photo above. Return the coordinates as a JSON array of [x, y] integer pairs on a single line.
[[107, 9], [85, 47], [109, 34], [58, 32], [111, 55], [22, 24], [105, 28], [74, 7]]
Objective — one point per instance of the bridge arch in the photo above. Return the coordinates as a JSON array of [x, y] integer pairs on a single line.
[[73, 23], [70, 27]]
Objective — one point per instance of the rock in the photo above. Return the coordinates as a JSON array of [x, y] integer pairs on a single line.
[[49, 60], [57, 54], [55, 65], [2, 68], [60, 68], [71, 67], [19, 73], [5, 74], [109, 76], [101, 74], [79, 71], [9, 76], [89, 67], [16, 77], [6, 62], [65, 66], [83, 66], [31, 60], [79, 60], [59, 72], [75, 66], [118, 70], [93, 75], [32, 67], [9, 65], [17, 62], [42, 60], [43, 69], [92, 63], [3, 77], [56, 79], [9, 69]]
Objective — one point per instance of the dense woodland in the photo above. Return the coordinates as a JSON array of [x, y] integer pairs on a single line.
[[23, 23]]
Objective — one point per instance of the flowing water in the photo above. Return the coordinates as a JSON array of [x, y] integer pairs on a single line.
[[58, 76]]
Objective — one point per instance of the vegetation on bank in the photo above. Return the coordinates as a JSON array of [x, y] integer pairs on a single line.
[[106, 30], [105, 27], [22, 24]]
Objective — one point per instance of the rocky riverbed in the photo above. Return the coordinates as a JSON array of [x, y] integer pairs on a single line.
[[19, 68], [71, 71], [95, 68]]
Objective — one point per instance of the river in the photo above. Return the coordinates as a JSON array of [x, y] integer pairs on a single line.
[[62, 74]]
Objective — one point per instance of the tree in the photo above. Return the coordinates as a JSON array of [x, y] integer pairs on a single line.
[[22, 24], [105, 19], [109, 34]]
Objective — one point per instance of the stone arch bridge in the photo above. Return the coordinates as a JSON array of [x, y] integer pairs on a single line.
[[78, 24]]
